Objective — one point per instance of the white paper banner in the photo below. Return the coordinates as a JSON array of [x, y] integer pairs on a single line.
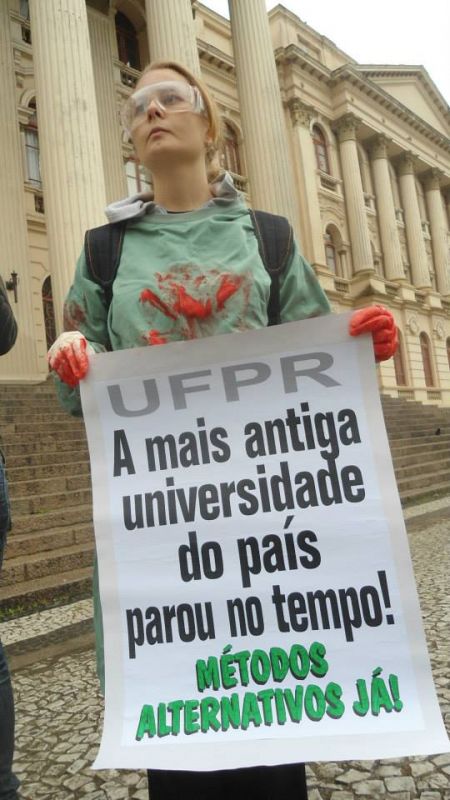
[[259, 602]]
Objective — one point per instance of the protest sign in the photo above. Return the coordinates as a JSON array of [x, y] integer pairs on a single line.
[[259, 602]]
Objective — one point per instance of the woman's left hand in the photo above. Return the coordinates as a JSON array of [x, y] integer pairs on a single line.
[[378, 321]]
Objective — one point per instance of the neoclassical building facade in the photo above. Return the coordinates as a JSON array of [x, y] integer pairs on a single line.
[[357, 156]]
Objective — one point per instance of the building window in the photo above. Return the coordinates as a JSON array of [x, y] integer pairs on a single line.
[[127, 42], [399, 363], [231, 156], [426, 359], [137, 178], [25, 9], [33, 170], [320, 147]]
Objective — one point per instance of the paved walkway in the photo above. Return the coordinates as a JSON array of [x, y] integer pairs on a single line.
[[59, 709]]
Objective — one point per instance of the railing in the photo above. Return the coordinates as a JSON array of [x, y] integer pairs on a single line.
[[391, 288], [434, 394], [406, 394], [128, 75], [341, 285], [328, 181]]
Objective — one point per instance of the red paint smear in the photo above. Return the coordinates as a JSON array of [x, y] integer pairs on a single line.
[[228, 286], [150, 297], [189, 307], [155, 337]]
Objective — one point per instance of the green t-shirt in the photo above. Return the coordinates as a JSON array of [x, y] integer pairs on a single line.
[[185, 276]]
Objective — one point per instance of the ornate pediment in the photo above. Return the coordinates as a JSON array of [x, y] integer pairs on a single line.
[[413, 87]]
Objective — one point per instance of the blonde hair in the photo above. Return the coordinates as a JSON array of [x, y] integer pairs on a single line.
[[213, 168]]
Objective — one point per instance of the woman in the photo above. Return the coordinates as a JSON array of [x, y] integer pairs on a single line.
[[190, 267]]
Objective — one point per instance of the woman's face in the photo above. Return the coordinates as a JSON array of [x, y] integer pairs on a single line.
[[163, 138]]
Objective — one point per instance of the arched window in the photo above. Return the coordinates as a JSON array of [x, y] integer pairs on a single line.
[[127, 41], [333, 249], [425, 349], [231, 156], [448, 351], [330, 253], [320, 147], [399, 363], [32, 148]]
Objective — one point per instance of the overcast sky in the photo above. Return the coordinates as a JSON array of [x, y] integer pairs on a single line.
[[380, 31]]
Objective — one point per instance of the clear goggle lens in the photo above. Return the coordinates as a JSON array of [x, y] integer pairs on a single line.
[[169, 96]]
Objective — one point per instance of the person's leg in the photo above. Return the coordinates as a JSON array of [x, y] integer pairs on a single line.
[[8, 781], [254, 783]]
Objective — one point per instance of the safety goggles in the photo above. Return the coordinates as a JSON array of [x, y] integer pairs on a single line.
[[174, 97]]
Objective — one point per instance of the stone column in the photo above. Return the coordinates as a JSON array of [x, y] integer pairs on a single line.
[[171, 32], [392, 253], [354, 195], [21, 363], [438, 228], [71, 156], [265, 135], [101, 29], [413, 223], [314, 247]]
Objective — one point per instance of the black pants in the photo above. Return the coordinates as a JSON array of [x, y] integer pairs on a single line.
[[254, 783]]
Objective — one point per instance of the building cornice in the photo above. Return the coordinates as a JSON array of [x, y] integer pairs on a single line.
[[292, 54], [405, 71], [212, 55], [355, 78]]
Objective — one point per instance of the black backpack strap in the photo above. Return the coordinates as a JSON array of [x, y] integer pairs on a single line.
[[102, 250], [275, 239]]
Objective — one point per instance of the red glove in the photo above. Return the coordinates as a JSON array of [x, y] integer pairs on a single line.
[[68, 357], [378, 321]]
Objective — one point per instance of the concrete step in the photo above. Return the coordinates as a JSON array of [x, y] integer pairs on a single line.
[[39, 565], [24, 544], [66, 468], [30, 429], [427, 483], [39, 505], [425, 468], [52, 590], [55, 445], [47, 486], [410, 496], [47, 521], [56, 456], [45, 437]]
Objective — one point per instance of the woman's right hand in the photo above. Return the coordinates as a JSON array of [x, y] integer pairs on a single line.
[[69, 357]]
